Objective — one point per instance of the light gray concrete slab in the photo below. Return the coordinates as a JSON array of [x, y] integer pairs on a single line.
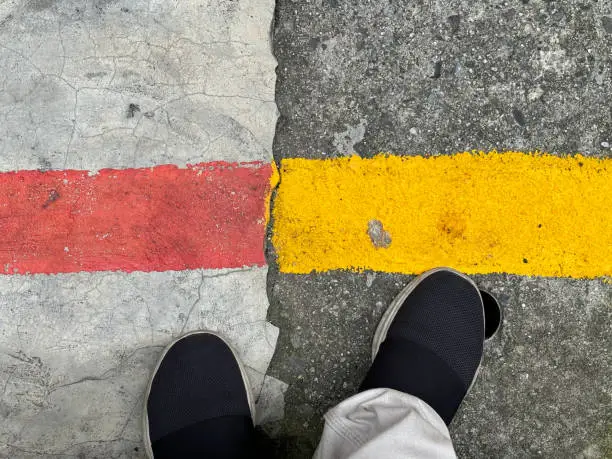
[[271, 402], [116, 84], [77, 350], [90, 85]]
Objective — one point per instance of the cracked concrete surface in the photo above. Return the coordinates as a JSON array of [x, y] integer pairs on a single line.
[[116, 84], [77, 350], [88, 85]]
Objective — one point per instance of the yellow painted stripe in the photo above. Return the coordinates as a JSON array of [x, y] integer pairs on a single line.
[[274, 179], [530, 214]]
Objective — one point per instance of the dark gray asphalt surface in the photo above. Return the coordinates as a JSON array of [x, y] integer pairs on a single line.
[[442, 76]]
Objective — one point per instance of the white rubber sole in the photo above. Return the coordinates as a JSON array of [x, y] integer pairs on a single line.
[[385, 322], [145, 418]]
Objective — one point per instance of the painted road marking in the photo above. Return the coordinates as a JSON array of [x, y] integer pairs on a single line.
[[529, 214], [212, 215]]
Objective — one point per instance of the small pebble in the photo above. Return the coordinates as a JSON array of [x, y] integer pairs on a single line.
[[605, 144]]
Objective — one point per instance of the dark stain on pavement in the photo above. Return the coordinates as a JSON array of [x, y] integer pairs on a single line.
[[53, 196], [132, 109]]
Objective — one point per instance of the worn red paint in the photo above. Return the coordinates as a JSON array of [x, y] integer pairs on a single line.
[[210, 215]]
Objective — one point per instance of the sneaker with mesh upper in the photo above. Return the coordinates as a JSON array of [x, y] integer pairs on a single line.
[[199, 402], [429, 342]]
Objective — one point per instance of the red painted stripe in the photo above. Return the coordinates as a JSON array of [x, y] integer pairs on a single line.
[[211, 215]]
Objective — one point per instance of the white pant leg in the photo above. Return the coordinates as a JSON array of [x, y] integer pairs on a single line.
[[384, 423]]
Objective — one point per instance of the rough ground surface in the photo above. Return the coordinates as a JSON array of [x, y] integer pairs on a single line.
[[92, 85], [442, 76]]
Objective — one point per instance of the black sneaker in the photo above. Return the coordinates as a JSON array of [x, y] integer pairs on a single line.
[[429, 342], [199, 402]]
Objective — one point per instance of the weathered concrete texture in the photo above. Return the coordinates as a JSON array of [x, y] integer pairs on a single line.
[[543, 390], [77, 351], [89, 85], [115, 84], [442, 76]]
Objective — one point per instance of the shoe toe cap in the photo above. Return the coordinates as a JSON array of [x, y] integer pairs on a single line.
[[444, 313], [199, 378]]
